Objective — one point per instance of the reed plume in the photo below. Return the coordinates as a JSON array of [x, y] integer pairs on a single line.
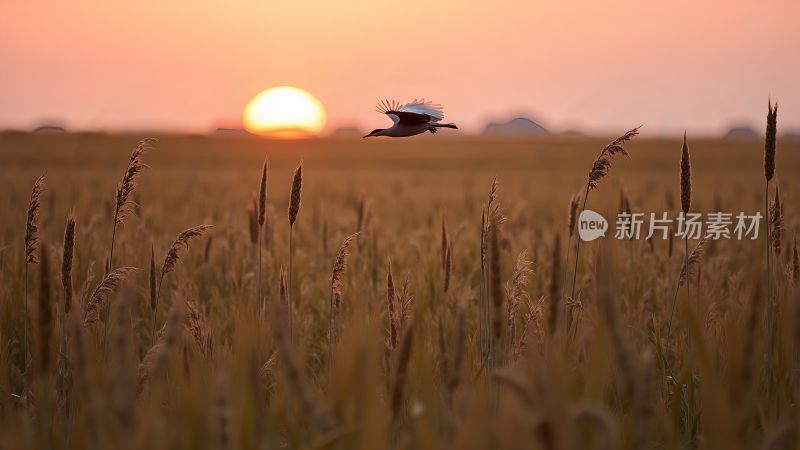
[[32, 224], [97, 301], [599, 170], [170, 261], [124, 205], [262, 218], [31, 257], [294, 208], [339, 265], [181, 242], [602, 164]]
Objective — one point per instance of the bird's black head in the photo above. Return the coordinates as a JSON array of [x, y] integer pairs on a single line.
[[375, 132]]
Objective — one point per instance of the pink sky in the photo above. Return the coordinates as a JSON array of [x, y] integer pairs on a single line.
[[589, 64]]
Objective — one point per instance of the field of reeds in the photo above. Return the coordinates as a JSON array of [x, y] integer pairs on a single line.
[[150, 296]]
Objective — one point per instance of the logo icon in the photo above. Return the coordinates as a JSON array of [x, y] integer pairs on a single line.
[[591, 225]]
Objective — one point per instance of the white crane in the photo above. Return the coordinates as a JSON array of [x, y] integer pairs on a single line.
[[411, 119]]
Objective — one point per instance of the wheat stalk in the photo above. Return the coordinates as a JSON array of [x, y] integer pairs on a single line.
[[123, 204], [295, 201], [572, 218], [599, 170], [68, 254], [339, 265], [31, 247], [770, 144]]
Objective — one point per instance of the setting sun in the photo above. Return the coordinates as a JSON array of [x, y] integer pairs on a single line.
[[284, 112]]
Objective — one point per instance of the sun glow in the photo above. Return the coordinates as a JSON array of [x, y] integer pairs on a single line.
[[284, 112]]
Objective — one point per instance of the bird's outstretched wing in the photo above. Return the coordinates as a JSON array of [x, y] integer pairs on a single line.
[[418, 111]]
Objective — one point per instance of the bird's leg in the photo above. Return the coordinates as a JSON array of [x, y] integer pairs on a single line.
[[432, 129]]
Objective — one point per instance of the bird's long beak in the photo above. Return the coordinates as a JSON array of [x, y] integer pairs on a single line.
[[368, 135]]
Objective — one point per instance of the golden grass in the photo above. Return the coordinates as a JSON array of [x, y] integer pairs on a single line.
[[410, 365]]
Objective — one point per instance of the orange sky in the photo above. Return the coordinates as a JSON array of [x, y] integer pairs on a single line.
[[590, 64]]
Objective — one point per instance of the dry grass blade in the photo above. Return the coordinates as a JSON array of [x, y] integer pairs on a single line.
[[182, 241], [32, 224], [106, 287], [66, 262]]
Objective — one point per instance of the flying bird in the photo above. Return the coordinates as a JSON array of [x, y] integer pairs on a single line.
[[411, 119]]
